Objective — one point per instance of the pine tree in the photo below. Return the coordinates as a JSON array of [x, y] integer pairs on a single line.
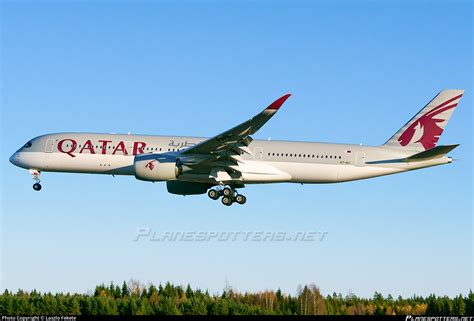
[[469, 303], [125, 291]]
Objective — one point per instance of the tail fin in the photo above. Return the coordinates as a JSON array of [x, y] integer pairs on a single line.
[[423, 131]]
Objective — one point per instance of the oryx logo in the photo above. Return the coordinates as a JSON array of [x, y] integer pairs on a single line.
[[426, 127], [150, 165]]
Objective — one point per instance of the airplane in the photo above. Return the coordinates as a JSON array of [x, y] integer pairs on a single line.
[[222, 164]]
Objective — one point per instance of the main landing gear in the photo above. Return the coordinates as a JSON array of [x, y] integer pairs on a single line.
[[229, 195], [36, 174]]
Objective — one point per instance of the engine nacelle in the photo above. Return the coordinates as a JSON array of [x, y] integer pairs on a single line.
[[156, 167]]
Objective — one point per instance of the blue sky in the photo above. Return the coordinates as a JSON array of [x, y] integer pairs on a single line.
[[357, 71]]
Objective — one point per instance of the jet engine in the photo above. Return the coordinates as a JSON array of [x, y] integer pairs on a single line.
[[156, 167]]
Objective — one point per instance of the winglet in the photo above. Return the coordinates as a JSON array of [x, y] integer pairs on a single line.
[[277, 103]]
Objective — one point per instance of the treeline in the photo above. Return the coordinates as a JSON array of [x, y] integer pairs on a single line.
[[133, 298]]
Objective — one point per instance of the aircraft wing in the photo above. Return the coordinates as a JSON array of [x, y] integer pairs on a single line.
[[239, 136], [223, 152]]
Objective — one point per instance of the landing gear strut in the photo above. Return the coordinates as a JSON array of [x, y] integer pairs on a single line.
[[36, 174], [229, 195]]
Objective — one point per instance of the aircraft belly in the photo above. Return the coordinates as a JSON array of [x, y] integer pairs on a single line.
[[351, 173], [309, 173], [331, 173]]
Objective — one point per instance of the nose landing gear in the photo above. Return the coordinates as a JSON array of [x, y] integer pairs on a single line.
[[229, 195], [36, 174]]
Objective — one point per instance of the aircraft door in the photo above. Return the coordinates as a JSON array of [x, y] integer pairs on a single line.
[[258, 153], [49, 146], [360, 159]]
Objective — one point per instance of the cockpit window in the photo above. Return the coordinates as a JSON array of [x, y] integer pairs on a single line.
[[27, 145]]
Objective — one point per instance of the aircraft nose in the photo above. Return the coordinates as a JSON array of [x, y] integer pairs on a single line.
[[15, 159]]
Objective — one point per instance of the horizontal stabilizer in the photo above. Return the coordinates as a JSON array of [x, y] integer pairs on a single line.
[[435, 152]]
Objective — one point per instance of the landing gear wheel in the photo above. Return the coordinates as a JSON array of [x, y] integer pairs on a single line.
[[227, 201], [213, 194], [241, 199], [36, 177], [227, 191]]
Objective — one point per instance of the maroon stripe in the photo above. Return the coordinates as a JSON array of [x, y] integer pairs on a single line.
[[438, 111], [443, 104]]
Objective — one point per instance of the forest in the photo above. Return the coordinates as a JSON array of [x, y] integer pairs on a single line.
[[135, 298]]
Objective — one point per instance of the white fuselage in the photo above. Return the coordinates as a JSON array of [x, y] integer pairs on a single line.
[[268, 161]]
